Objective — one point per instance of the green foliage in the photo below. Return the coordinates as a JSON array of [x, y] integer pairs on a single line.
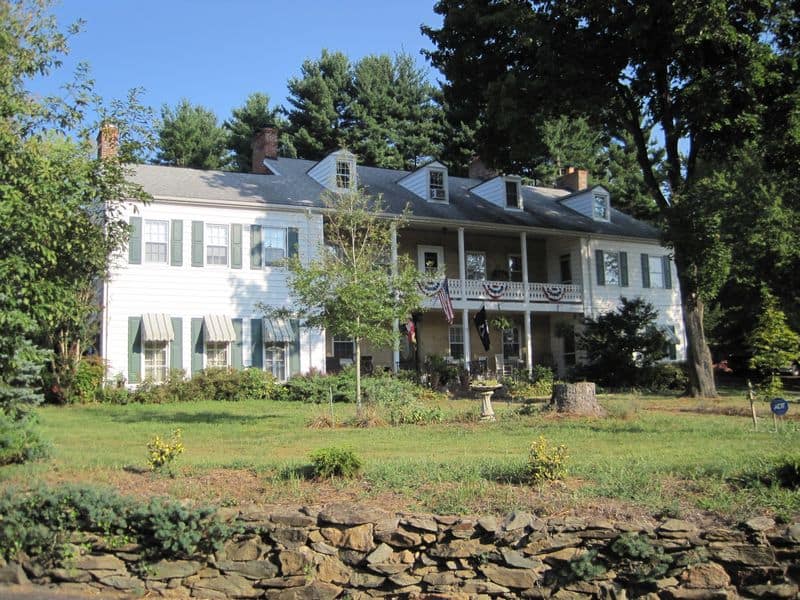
[[664, 377], [41, 522], [245, 122], [623, 344], [161, 453], [335, 462], [546, 462], [189, 136], [639, 559], [88, 380], [586, 567], [318, 388], [773, 342], [20, 440], [440, 372]]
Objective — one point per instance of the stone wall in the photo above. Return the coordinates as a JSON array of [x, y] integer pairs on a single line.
[[346, 551]]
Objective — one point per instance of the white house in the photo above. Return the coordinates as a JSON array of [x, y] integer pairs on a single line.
[[204, 257]]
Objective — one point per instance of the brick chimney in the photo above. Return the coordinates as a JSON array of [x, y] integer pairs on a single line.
[[107, 141], [574, 179], [479, 170], [265, 145]]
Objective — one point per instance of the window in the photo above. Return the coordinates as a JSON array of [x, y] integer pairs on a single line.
[[274, 241], [565, 267], [512, 194], [569, 347], [217, 245], [430, 260], [343, 348], [216, 354], [344, 178], [436, 190], [611, 268], [600, 207], [656, 268], [275, 360], [511, 343], [156, 240], [671, 342], [514, 267], [155, 361], [476, 265], [456, 342]]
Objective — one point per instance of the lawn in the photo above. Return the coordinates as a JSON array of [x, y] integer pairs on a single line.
[[654, 455]]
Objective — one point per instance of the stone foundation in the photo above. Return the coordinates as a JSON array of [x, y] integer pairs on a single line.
[[345, 551]]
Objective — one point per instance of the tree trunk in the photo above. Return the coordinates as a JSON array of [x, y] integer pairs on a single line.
[[698, 356], [576, 399], [358, 375]]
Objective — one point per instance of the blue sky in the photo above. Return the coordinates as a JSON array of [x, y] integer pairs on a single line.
[[215, 53]]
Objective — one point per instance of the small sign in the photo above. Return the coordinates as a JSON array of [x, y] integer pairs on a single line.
[[779, 406]]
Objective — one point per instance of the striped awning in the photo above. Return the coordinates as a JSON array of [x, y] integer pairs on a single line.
[[157, 327], [278, 330], [218, 328]]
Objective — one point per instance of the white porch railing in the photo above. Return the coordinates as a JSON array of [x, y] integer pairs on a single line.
[[514, 291]]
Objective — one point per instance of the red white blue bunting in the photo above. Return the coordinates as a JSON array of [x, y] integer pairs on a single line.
[[495, 289], [554, 293]]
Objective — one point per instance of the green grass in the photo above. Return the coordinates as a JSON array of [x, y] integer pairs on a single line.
[[651, 454]]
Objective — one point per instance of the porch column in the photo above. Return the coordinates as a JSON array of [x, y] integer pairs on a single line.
[[396, 324], [523, 243], [465, 335], [462, 263]]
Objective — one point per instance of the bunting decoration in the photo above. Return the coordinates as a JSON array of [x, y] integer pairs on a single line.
[[495, 289], [554, 293], [430, 287]]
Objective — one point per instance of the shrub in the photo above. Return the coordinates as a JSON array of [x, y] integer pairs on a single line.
[[545, 462], [20, 442], [317, 387], [586, 567], [335, 462], [415, 413], [440, 372], [664, 377], [162, 453], [88, 379], [640, 560]]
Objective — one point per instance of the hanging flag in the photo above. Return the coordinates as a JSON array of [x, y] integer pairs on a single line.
[[447, 302], [410, 331], [482, 325]]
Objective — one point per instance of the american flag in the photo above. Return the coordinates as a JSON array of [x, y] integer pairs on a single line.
[[447, 302]]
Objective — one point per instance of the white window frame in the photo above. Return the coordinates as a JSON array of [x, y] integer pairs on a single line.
[[208, 245], [466, 262], [218, 347], [511, 271], [152, 351], [456, 340], [271, 349], [515, 341], [437, 193], [350, 175], [605, 215], [517, 185], [660, 281], [148, 224], [337, 341], [617, 274], [439, 251], [282, 232]]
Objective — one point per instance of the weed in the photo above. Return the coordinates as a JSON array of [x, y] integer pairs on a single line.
[[335, 462], [546, 462], [162, 453]]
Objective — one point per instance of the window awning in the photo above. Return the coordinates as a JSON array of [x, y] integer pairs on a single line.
[[278, 330], [157, 327], [218, 328], [670, 334]]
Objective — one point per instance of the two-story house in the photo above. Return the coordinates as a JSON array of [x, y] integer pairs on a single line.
[[205, 255]]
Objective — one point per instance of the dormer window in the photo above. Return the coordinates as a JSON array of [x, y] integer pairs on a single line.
[[512, 194], [436, 185], [600, 209], [344, 174]]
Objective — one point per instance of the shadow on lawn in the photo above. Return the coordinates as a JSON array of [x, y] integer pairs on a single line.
[[213, 418]]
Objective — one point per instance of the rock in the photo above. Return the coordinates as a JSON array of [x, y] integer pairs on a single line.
[[70, 575], [422, 523], [316, 590], [459, 549], [759, 524], [366, 580], [463, 529], [476, 586], [405, 579], [443, 578], [705, 576], [511, 578], [284, 582], [782, 590], [352, 557], [289, 537], [553, 544], [400, 538], [687, 594], [351, 514], [331, 570], [488, 524], [381, 554], [324, 548], [676, 528], [171, 569], [124, 583], [358, 538], [562, 556], [250, 549], [292, 518], [295, 562], [744, 555], [793, 533], [13, 573], [232, 586], [252, 569], [103, 562], [517, 520], [512, 558], [389, 568]]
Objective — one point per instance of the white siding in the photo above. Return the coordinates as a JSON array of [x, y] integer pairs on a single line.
[[583, 202], [494, 190], [417, 181], [324, 172], [186, 291]]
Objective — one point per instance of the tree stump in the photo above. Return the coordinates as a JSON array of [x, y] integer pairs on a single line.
[[576, 399]]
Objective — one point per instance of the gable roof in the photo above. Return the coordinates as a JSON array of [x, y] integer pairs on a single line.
[[295, 188]]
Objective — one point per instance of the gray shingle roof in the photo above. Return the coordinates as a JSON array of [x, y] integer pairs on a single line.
[[293, 187]]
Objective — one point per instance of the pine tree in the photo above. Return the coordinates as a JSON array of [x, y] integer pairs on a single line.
[[189, 136]]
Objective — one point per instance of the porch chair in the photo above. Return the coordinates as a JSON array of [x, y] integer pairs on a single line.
[[502, 367]]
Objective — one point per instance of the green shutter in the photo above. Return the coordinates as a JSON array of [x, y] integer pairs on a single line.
[[135, 241], [667, 268], [176, 345], [600, 267], [176, 244], [236, 345], [256, 252], [197, 345], [256, 343], [236, 246], [134, 349], [197, 243], [294, 245], [645, 271], [294, 349], [623, 269]]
